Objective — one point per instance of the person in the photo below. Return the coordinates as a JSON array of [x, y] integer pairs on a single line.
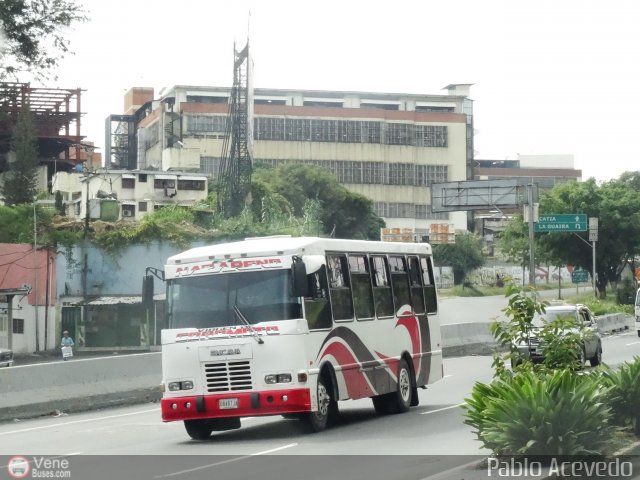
[[66, 342]]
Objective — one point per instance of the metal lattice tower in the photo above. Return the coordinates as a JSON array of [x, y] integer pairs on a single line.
[[234, 175]]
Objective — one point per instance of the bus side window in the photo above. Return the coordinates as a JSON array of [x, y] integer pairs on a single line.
[[316, 305], [415, 279], [339, 287], [429, 284], [382, 295], [361, 286], [399, 282]]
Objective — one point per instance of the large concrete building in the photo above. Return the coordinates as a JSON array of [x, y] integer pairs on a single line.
[[389, 147]]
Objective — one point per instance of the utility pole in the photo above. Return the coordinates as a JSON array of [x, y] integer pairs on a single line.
[[35, 276], [532, 272]]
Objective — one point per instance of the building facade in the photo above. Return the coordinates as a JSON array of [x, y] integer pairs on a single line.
[[388, 147], [112, 195]]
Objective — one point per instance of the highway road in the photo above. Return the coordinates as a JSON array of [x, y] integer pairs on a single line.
[[487, 309], [428, 440]]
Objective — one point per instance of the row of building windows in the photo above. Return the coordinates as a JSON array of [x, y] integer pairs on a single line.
[[167, 183], [355, 172], [333, 131], [337, 103]]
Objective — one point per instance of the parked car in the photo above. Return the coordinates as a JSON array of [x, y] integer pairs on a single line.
[[584, 322], [6, 357]]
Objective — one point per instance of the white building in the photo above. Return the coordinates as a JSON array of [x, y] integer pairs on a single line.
[[389, 147], [127, 194]]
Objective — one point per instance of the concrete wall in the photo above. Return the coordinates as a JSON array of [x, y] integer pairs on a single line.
[[78, 384]]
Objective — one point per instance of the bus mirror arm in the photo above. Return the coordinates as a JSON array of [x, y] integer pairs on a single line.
[[299, 278]]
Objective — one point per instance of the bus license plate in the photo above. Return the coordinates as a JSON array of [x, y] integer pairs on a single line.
[[227, 403]]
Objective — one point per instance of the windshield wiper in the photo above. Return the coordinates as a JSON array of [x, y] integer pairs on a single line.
[[244, 320]]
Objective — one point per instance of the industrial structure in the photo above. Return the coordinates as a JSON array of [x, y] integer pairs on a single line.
[[234, 179], [57, 118]]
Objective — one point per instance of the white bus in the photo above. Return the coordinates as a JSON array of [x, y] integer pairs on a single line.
[[292, 325]]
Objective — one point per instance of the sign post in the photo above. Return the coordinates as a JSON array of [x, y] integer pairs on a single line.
[[593, 238]]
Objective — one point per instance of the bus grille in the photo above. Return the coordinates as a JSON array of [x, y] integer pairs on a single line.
[[228, 376]]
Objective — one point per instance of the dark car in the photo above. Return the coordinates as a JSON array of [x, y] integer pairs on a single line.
[[6, 357], [584, 322]]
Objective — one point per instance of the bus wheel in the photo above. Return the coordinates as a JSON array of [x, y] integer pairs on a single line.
[[318, 420], [198, 429], [381, 404], [402, 396]]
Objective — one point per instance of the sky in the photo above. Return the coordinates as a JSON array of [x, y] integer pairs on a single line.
[[549, 76]]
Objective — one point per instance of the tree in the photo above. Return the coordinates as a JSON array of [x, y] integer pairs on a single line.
[[463, 256], [616, 204], [513, 243], [20, 181], [33, 33], [342, 212]]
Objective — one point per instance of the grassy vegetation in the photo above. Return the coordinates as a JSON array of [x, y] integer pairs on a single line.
[[597, 306], [601, 306]]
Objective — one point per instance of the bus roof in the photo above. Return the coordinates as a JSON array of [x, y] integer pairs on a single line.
[[287, 245]]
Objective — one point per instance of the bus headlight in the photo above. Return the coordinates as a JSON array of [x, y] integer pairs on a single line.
[[183, 385], [187, 385], [273, 378]]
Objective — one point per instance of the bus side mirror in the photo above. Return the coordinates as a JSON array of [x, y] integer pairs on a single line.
[[299, 278], [147, 291]]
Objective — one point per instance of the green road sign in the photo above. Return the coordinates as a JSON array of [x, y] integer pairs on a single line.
[[579, 276], [572, 222]]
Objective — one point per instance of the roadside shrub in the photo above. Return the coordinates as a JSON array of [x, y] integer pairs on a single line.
[[534, 414], [626, 292], [562, 344], [624, 393], [522, 305]]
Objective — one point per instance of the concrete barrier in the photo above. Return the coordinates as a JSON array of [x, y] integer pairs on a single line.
[[79, 384], [460, 339], [615, 322]]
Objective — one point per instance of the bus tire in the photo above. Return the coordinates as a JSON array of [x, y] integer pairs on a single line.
[[319, 419], [198, 429], [401, 398], [381, 403]]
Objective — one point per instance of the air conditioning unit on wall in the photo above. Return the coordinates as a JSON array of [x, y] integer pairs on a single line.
[[127, 213]]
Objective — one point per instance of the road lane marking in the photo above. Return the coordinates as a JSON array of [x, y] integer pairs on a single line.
[[447, 376], [632, 343], [443, 409], [86, 420], [223, 462]]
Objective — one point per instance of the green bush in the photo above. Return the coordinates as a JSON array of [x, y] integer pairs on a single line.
[[601, 306], [624, 394], [533, 414], [626, 292]]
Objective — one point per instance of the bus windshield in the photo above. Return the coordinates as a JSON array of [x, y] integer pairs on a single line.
[[209, 300]]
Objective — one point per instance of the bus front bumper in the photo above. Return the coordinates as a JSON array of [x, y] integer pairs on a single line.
[[245, 404]]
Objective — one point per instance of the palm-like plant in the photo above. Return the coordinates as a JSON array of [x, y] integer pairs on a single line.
[[534, 414]]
